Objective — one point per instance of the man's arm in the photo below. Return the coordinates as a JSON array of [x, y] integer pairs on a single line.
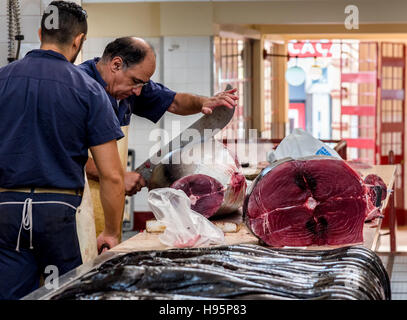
[[133, 181], [108, 164], [186, 104], [91, 170]]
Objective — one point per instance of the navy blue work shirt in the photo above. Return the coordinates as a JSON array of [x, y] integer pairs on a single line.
[[152, 103], [51, 113]]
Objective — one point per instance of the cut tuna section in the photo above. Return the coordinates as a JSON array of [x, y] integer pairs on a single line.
[[205, 192], [317, 201], [213, 180], [377, 193], [373, 181]]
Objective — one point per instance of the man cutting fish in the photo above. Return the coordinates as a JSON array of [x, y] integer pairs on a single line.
[[54, 114], [124, 70]]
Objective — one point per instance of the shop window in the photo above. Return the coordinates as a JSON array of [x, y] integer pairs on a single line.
[[232, 66]]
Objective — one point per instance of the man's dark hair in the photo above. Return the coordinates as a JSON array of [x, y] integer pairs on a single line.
[[71, 22], [126, 48]]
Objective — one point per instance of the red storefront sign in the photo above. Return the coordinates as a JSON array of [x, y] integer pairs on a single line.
[[309, 49]]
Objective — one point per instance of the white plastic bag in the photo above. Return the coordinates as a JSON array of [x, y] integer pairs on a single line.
[[184, 228], [300, 144]]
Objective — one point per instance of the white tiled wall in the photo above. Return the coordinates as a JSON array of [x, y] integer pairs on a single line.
[[187, 64], [31, 11], [93, 47], [187, 68]]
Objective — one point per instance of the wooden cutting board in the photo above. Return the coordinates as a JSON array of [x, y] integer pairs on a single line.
[[228, 224], [146, 241]]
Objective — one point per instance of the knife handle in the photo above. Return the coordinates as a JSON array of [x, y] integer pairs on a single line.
[[105, 245]]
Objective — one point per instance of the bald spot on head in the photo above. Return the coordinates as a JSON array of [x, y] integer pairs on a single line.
[[131, 50], [150, 57], [141, 43]]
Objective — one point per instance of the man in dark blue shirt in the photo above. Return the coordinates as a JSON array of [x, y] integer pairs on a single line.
[[52, 113], [124, 71]]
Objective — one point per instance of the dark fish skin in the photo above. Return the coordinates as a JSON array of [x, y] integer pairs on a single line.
[[236, 272], [140, 295]]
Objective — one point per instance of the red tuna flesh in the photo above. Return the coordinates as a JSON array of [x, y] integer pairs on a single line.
[[307, 202], [205, 192], [373, 181]]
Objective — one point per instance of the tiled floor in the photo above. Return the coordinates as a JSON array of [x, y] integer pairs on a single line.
[[396, 266], [396, 263]]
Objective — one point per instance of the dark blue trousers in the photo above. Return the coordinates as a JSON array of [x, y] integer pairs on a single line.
[[49, 238]]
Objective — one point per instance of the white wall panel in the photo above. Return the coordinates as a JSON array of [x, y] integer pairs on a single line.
[[31, 12]]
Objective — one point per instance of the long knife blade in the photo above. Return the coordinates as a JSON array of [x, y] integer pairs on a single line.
[[216, 121]]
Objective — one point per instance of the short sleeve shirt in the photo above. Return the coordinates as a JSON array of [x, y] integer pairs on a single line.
[[152, 103], [51, 113]]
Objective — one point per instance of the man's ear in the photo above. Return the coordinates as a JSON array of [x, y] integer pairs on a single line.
[[116, 64], [78, 41]]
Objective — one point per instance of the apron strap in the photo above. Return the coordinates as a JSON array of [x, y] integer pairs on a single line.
[[26, 221], [26, 216]]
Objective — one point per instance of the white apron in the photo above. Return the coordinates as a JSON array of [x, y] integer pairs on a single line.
[[85, 225]]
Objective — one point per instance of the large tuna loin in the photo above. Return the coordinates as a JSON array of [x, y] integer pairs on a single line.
[[209, 175], [310, 201]]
